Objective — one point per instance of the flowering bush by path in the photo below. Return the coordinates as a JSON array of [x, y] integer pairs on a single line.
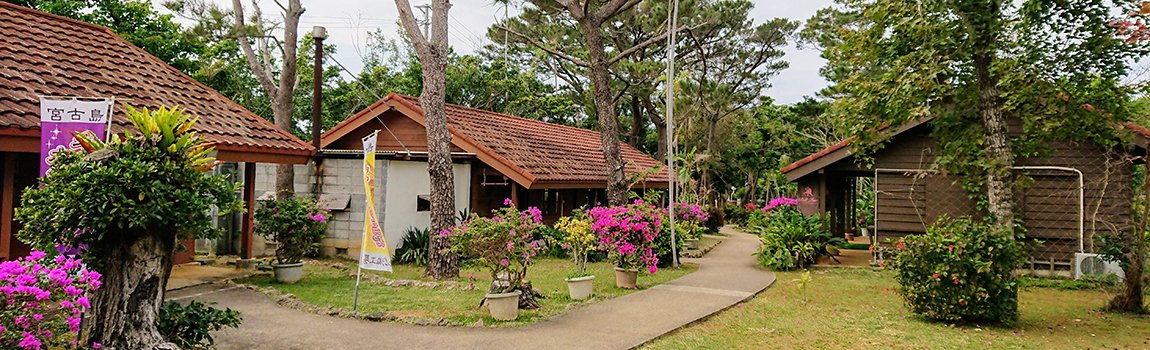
[[628, 232], [504, 243], [44, 299], [960, 271]]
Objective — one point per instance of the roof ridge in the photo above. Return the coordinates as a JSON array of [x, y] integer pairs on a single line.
[[484, 111], [14, 7]]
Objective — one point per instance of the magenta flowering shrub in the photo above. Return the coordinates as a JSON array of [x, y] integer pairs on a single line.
[[43, 300], [297, 224], [504, 243], [628, 233]]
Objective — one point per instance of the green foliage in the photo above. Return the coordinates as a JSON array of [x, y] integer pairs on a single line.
[[295, 223], [792, 240], [736, 214], [190, 326], [149, 182], [960, 271], [578, 238], [504, 243], [413, 249]]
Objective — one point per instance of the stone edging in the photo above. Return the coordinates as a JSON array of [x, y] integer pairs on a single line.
[[702, 250]]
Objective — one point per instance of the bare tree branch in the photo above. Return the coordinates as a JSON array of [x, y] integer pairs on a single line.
[[262, 74], [623, 54], [407, 20]]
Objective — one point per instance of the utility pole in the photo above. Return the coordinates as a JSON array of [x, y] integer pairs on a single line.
[[318, 33], [426, 21], [674, 23]]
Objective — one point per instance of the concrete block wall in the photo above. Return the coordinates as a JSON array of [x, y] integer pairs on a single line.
[[341, 176]]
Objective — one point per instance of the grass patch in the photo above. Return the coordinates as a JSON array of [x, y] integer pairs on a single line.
[[325, 285], [859, 309]]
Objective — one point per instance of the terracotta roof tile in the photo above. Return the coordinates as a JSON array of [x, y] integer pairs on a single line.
[[44, 54], [548, 152]]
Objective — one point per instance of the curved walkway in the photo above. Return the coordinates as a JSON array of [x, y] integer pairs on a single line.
[[726, 276]]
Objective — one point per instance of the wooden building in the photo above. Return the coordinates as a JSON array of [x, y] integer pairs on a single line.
[[1069, 193], [47, 55], [553, 167]]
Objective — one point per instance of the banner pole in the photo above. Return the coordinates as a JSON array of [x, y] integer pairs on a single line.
[[358, 273]]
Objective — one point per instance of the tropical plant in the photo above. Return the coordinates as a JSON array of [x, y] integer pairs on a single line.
[[46, 298], [578, 237], [961, 270], [792, 240], [130, 200], [628, 234], [190, 326], [504, 243], [413, 249], [295, 223]]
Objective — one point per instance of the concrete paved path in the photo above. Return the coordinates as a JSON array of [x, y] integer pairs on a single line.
[[726, 276]]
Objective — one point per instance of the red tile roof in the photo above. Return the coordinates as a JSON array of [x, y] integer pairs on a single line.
[[815, 156], [542, 152], [45, 54]]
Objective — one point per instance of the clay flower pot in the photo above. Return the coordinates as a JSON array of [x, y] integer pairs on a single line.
[[626, 278], [504, 306], [580, 287]]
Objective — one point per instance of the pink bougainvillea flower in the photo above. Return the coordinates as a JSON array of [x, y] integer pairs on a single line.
[[950, 247], [935, 276], [317, 217], [507, 201], [900, 245], [503, 262], [956, 281]]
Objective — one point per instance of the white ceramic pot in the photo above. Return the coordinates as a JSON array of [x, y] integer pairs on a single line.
[[288, 273], [692, 243], [504, 306], [580, 287], [626, 278]]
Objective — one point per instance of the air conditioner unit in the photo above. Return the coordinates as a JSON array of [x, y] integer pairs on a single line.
[[1088, 263]]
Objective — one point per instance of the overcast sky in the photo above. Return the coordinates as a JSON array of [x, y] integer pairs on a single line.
[[349, 21]]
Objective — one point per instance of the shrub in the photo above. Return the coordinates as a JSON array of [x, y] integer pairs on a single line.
[[295, 223], [190, 326], [413, 249], [715, 219], [504, 243], [736, 214], [578, 237], [960, 271], [45, 299], [628, 233], [792, 240], [553, 242]]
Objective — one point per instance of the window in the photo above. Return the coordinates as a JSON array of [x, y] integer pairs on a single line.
[[423, 202]]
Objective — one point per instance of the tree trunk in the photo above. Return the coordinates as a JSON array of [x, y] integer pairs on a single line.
[[638, 123], [125, 308], [432, 51], [1131, 298], [285, 173], [660, 132], [605, 113], [982, 21]]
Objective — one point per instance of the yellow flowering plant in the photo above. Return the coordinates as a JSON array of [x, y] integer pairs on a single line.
[[579, 238]]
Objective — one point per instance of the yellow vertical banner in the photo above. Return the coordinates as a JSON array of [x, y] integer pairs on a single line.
[[374, 253]]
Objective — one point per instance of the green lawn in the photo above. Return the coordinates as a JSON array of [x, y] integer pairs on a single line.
[[327, 286], [859, 309]]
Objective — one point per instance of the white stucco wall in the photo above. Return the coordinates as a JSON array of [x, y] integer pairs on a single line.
[[406, 180]]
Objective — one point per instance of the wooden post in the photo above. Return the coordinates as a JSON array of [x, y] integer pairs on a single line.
[[515, 194], [249, 210], [7, 205]]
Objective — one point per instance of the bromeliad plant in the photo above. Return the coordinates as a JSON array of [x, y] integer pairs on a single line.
[[44, 299], [628, 233], [578, 237], [295, 223], [504, 243]]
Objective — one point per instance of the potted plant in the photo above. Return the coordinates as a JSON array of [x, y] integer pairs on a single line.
[[297, 225], [505, 244], [578, 237], [689, 220], [628, 234]]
